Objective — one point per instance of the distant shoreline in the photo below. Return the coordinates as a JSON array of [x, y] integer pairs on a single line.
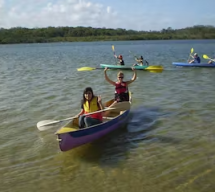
[[88, 34]]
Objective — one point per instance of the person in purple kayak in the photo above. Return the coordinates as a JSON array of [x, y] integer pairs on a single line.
[[196, 59]]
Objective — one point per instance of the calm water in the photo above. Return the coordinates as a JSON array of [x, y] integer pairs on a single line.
[[168, 144]]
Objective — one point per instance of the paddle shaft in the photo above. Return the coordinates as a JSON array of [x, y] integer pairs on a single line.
[[119, 107], [191, 51], [211, 59], [70, 118], [133, 54]]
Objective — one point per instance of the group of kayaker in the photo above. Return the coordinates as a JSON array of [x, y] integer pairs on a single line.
[[196, 59], [140, 61], [91, 103]]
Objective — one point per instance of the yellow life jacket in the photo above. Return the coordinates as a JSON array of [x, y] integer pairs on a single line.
[[92, 106]]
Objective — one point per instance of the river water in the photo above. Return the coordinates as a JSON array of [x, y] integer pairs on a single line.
[[167, 145]]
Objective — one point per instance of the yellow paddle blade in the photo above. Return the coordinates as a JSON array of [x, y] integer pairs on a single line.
[[113, 47], [155, 69], [206, 57], [86, 69], [191, 51]]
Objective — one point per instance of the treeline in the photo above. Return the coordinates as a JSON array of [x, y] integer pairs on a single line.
[[71, 34]]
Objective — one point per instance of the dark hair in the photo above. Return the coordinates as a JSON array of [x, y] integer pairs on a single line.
[[141, 57], [87, 89]]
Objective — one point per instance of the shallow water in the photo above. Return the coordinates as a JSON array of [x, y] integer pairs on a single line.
[[167, 145]]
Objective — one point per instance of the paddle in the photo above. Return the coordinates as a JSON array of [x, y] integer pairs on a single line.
[[114, 53], [113, 49], [191, 51], [88, 68], [46, 124], [206, 57], [154, 69], [133, 54]]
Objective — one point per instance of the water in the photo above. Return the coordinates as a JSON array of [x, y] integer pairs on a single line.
[[168, 144]]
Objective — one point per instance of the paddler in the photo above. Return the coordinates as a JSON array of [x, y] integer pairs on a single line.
[[90, 103]]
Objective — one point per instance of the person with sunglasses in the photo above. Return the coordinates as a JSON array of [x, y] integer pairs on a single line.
[[90, 103], [121, 87]]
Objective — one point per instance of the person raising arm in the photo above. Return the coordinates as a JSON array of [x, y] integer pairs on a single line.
[[141, 62], [121, 87], [120, 60]]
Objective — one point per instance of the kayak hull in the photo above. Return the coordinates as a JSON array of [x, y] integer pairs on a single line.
[[193, 64], [123, 67]]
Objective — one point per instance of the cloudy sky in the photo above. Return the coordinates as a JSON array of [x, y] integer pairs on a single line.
[[127, 14]]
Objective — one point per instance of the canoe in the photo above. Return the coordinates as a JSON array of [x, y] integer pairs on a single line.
[[193, 64], [124, 67], [70, 136]]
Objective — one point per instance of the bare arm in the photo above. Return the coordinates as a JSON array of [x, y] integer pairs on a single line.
[[100, 102], [107, 78], [133, 78], [80, 113]]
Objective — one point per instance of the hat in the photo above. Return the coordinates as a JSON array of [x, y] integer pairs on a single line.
[[195, 54]]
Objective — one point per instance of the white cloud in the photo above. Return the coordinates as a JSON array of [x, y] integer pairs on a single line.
[[44, 13], [1, 12], [1, 3], [108, 9], [39, 13]]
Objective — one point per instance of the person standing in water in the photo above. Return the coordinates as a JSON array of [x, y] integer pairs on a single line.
[[121, 87]]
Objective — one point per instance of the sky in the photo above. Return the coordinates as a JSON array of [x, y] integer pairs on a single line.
[[127, 14]]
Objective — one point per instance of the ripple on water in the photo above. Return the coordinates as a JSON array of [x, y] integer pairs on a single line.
[[169, 139]]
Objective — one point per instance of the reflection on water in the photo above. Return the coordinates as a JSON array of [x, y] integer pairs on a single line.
[[113, 148], [143, 119]]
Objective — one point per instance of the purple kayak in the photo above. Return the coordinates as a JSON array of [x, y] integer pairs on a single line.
[[70, 136]]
